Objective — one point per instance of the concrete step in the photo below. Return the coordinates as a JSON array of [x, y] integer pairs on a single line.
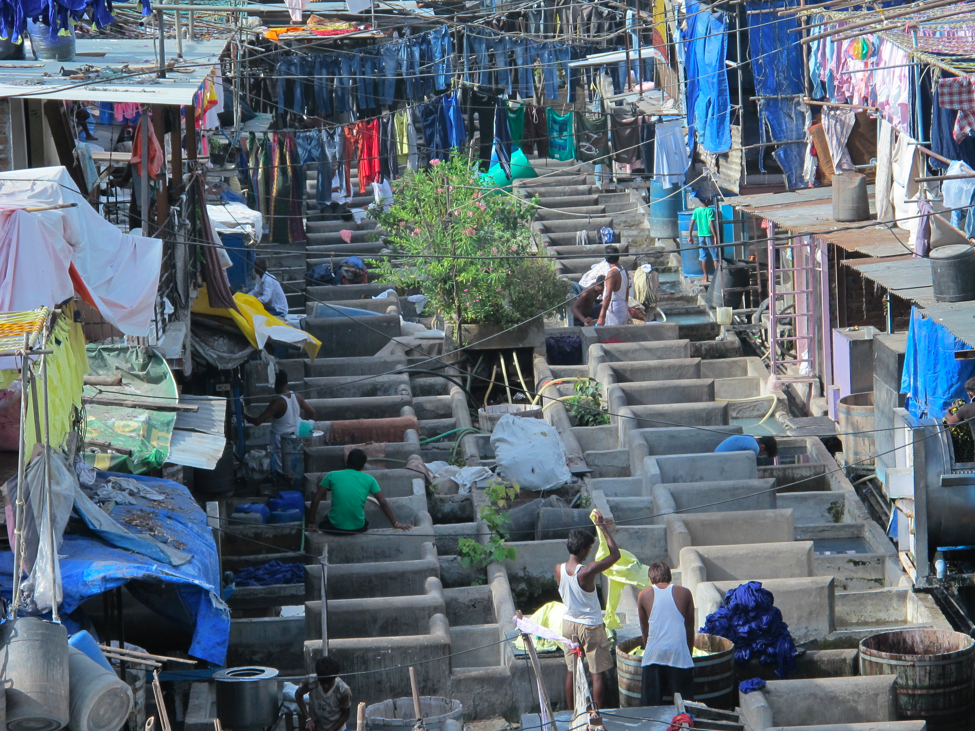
[[435, 427], [549, 181], [331, 238], [564, 226], [324, 227], [432, 407], [429, 386], [560, 213], [562, 190]]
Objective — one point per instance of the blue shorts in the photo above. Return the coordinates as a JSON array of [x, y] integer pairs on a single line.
[[708, 249]]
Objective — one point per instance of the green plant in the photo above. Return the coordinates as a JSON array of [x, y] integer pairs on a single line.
[[473, 552], [586, 407], [447, 228], [584, 501]]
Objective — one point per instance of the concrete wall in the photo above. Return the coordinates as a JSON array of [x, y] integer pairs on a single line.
[[376, 579], [660, 393], [327, 459], [347, 335], [700, 414], [807, 605], [675, 440], [726, 528], [597, 354], [275, 642], [670, 469], [654, 332], [814, 508], [714, 497], [340, 409], [389, 616], [375, 545], [650, 370], [822, 701], [384, 660], [745, 562]]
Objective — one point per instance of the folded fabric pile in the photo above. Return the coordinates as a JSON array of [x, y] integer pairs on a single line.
[[273, 572], [751, 621]]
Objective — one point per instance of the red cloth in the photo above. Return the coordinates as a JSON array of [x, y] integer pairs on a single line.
[[959, 93], [359, 431], [682, 719], [368, 154], [156, 159]]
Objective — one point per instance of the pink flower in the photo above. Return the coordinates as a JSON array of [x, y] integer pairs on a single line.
[[440, 190], [470, 213], [513, 248], [456, 213], [416, 231], [494, 249], [482, 206], [434, 162]]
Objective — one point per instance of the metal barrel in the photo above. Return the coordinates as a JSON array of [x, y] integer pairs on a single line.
[[855, 415], [714, 675], [665, 205], [35, 661], [953, 273], [247, 697], [398, 714], [935, 674]]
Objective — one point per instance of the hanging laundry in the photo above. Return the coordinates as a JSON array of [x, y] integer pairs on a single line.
[[561, 138], [516, 124], [280, 204], [502, 137], [369, 167], [483, 107], [625, 140], [648, 136], [959, 93], [296, 219], [670, 153], [535, 135], [885, 149], [922, 239], [155, 155], [708, 97], [837, 125], [388, 157], [592, 138]]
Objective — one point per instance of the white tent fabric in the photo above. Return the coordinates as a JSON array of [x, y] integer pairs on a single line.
[[119, 271]]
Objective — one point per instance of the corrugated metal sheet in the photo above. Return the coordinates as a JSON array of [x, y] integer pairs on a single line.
[[192, 449], [731, 168], [210, 418]]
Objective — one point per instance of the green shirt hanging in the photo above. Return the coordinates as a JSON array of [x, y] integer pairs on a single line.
[[561, 140], [516, 124]]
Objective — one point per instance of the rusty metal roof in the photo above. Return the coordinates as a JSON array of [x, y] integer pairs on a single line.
[[810, 212]]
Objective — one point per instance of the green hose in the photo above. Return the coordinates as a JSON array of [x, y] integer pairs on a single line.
[[452, 431]]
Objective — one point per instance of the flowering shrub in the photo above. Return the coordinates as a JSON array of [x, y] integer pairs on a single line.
[[445, 212]]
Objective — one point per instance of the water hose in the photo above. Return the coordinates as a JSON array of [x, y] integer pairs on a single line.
[[553, 383], [448, 433], [504, 372], [774, 398], [494, 372], [521, 378]]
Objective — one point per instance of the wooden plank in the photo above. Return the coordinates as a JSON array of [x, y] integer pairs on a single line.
[[139, 404], [60, 125]]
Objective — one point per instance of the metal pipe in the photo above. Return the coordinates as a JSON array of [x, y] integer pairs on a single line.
[[47, 486], [144, 175], [179, 35], [21, 470]]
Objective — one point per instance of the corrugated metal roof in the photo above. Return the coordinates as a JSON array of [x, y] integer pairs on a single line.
[[27, 78], [192, 449], [210, 418]]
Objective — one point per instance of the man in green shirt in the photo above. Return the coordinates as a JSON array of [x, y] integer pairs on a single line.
[[351, 488], [702, 219]]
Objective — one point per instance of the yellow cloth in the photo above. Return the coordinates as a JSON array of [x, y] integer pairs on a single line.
[[628, 570], [548, 616], [250, 307], [66, 369]]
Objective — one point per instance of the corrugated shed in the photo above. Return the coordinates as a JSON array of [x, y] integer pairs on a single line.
[[210, 417], [192, 449]]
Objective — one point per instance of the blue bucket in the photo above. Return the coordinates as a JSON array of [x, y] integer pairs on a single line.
[[690, 264]]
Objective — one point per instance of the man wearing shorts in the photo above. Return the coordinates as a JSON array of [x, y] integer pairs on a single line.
[[702, 219], [583, 617]]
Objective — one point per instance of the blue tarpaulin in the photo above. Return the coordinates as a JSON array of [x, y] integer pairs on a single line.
[[932, 378], [777, 68], [708, 100], [187, 594]]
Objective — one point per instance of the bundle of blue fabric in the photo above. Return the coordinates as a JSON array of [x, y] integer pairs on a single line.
[[273, 572], [751, 621]]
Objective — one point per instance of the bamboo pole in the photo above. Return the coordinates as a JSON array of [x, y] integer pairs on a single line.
[[967, 10], [21, 470], [416, 698], [49, 503], [134, 653], [840, 106], [887, 16]]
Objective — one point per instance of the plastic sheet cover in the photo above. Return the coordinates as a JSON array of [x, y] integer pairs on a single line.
[[708, 99], [932, 378], [777, 66], [187, 595]]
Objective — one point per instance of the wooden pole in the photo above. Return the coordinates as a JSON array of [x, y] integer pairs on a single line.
[[416, 696], [162, 186], [543, 701], [21, 469], [360, 717], [887, 16], [324, 566], [838, 106]]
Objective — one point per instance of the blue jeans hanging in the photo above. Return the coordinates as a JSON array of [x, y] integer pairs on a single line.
[[502, 45], [343, 82], [523, 50], [367, 78], [390, 63], [550, 75]]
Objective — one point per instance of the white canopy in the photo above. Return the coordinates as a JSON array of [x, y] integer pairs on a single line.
[[46, 256]]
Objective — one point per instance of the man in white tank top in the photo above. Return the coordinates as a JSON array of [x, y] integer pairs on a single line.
[[616, 292], [667, 623], [583, 617], [282, 412]]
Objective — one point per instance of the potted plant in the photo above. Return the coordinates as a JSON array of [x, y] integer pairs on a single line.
[[468, 248]]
